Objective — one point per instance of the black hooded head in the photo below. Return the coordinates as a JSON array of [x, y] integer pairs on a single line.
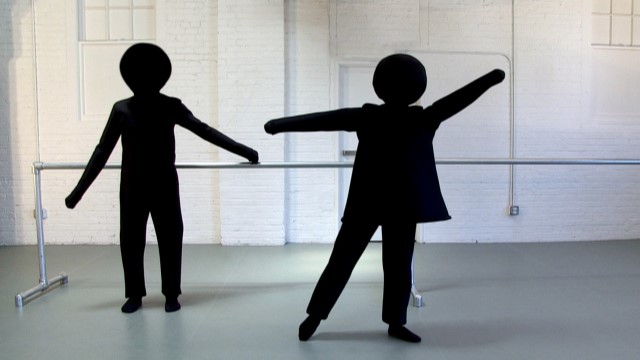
[[145, 68], [399, 79]]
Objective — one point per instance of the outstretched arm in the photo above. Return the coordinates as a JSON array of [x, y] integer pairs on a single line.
[[453, 103], [217, 138], [334, 120], [98, 159]]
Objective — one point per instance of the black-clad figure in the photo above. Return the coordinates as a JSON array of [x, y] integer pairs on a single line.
[[394, 182], [149, 180]]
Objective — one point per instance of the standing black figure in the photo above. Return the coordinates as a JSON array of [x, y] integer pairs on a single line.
[[149, 180], [394, 182]]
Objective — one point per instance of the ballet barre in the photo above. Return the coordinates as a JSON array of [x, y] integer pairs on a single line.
[[62, 278]]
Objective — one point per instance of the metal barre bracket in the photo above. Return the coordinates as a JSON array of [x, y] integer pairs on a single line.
[[61, 279]]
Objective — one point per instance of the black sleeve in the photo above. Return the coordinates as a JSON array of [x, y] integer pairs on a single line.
[[346, 119], [453, 103], [99, 158], [206, 132]]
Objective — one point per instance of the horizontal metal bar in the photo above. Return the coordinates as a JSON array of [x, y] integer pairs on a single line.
[[347, 164], [208, 165], [538, 161]]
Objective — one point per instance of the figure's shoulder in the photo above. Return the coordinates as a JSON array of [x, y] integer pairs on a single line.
[[170, 99], [371, 111], [173, 103], [415, 110], [395, 109], [121, 107], [122, 104], [371, 107]]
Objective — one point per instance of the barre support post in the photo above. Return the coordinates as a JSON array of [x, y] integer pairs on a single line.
[[415, 294], [44, 282]]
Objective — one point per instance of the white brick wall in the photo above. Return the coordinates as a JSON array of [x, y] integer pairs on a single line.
[[251, 91], [311, 209], [17, 123], [470, 25], [240, 63], [368, 27], [188, 34]]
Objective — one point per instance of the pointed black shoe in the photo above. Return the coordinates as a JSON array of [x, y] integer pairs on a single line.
[[307, 328], [404, 334], [131, 305]]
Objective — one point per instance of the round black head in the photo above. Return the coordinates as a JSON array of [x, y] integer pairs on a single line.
[[399, 79], [145, 68]]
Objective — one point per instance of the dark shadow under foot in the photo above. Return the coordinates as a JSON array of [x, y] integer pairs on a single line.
[[404, 334]]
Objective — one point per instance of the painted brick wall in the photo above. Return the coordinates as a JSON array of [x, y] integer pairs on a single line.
[[188, 35], [553, 67], [240, 63], [17, 123], [251, 91], [365, 27], [311, 208], [64, 137]]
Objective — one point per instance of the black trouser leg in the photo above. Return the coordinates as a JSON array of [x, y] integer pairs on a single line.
[[133, 228], [167, 220], [351, 242], [398, 239]]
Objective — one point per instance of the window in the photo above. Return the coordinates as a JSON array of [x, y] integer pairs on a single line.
[[107, 28], [109, 20], [615, 23]]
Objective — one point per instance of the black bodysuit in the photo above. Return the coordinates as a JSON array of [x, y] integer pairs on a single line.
[[394, 184], [149, 181]]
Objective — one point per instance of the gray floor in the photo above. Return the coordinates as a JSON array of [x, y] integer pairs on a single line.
[[500, 301]]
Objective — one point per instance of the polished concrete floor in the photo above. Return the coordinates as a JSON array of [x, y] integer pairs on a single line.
[[482, 301]]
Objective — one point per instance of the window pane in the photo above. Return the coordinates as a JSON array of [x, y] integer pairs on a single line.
[[88, 3], [143, 3], [600, 30], [120, 3], [636, 31], [119, 24], [622, 6], [95, 25], [636, 7], [601, 6], [615, 91], [102, 83], [144, 24], [621, 30]]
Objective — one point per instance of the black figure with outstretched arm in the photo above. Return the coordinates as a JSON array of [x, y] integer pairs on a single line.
[[149, 180], [394, 182]]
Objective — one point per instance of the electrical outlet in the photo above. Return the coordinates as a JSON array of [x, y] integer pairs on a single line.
[[514, 210]]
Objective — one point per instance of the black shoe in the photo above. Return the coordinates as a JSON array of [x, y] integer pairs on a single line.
[[307, 328], [402, 333], [131, 305], [172, 305]]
